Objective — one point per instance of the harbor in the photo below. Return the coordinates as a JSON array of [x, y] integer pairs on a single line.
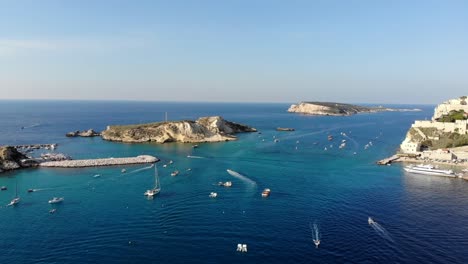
[[142, 159]]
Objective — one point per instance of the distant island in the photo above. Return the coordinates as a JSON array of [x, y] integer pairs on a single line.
[[205, 129], [443, 139], [337, 109]]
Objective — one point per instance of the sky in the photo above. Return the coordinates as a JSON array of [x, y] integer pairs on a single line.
[[235, 51]]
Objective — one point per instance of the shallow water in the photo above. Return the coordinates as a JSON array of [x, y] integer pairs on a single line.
[[107, 219]]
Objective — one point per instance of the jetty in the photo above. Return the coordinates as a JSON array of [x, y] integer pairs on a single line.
[[99, 162], [388, 160]]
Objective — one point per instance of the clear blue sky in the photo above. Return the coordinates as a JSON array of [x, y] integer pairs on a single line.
[[260, 51]]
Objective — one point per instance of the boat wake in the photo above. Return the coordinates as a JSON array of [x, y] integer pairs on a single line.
[[195, 157], [31, 126], [380, 230], [241, 177], [141, 169], [315, 234]]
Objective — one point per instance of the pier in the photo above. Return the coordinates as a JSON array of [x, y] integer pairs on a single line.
[[99, 162], [388, 160]]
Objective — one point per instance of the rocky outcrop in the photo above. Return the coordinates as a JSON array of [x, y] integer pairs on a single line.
[[337, 109], [84, 133], [205, 129], [12, 159]]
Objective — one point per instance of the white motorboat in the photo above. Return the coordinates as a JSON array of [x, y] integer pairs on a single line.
[[266, 192], [175, 173], [429, 170], [56, 200], [13, 202], [370, 221], [213, 195]]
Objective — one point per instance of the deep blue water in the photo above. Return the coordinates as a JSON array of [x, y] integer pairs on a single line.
[[424, 219]]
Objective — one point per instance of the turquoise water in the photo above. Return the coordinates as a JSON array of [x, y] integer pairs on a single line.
[[422, 219]]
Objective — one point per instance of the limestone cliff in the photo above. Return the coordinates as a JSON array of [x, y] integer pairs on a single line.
[[333, 109], [205, 129], [11, 159], [447, 129]]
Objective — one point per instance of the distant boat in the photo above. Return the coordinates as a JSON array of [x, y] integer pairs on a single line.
[[370, 221], [316, 236], [3, 188], [123, 171], [15, 200], [213, 195], [175, 173], [56, 200], [266, 192], [157, 187], [429, 170], [225, 184], [51, 211]]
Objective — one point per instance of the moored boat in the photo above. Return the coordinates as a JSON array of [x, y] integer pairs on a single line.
[[429, 170], [175, 173], [213, 195]]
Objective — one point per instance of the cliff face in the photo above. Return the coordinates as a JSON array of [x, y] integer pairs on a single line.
[[334, 109], [450, 105], [10, 158], [205, 129]]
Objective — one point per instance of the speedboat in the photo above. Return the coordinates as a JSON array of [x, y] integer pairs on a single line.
[[51, 211], [316, 242], [213, 195], [56, 200], [30, 190], [266, 192], [174, 173], [227, 184], [123, 171], [429, 170], [3, 188], [14, 202], [370, 220]]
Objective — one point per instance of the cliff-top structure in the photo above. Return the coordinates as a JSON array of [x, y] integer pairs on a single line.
[[205, 129], [448, 128]]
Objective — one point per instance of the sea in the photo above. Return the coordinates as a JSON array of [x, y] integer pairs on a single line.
[[105, 218]]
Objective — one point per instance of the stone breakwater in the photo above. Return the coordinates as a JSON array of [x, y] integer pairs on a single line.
[[100, 162]]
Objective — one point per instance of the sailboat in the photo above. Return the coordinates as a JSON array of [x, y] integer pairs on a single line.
[[157, 187], [15, 200]]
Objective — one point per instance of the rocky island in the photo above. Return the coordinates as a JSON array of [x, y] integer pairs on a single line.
[[12, 159], [443, 139], [86, 133], [337, 109], [205, 129]]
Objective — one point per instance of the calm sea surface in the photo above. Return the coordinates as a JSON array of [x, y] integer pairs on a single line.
[[106, 219]]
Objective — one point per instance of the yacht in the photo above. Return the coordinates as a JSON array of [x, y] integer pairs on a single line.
[[429, 170], [56, 200]]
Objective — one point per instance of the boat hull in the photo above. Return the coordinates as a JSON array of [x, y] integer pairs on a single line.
[[435, 173]]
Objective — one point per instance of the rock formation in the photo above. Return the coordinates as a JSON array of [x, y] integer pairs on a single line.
[[11, 159], [205, 129], [84, 133], [337, 109]]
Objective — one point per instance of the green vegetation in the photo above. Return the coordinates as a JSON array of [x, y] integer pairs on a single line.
[[453, 116]]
